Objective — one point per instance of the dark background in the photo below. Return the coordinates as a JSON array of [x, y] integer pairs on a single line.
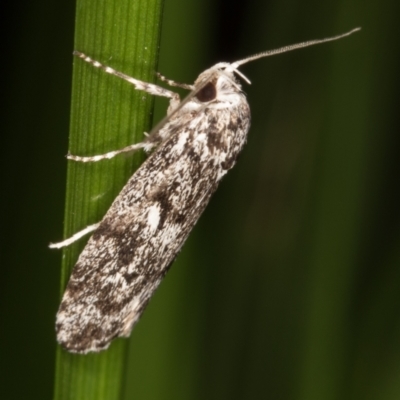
[[288, 288]]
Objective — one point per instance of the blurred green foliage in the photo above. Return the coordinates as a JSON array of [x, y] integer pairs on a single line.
[[288, 287]]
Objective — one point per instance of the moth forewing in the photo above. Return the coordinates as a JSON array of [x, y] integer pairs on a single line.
[[133, 246]]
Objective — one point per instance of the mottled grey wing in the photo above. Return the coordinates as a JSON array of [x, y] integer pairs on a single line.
[[144, 229]]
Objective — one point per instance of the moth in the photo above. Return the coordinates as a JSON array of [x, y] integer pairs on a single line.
[[134, 245]]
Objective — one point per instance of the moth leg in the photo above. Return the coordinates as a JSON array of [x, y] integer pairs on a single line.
[[148, 144], [74, 237], [173, 83], [155, 90]]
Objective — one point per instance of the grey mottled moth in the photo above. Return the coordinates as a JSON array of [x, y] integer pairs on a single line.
[[134, 245]]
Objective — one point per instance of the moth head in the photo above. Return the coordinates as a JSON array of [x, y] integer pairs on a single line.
[[218, 84]]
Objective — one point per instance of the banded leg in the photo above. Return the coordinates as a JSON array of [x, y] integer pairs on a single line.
[[147, 145], [150, 142], [140, 85], [173, 83]]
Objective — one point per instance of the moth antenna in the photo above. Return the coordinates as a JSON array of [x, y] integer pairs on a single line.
[[285, 49]]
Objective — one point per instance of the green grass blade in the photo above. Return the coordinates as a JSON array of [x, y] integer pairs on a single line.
[[106, 114]]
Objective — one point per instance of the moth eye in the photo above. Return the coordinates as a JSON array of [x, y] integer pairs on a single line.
[[208, 93]]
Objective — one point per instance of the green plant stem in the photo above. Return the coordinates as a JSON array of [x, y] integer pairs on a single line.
[[106, 114]]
